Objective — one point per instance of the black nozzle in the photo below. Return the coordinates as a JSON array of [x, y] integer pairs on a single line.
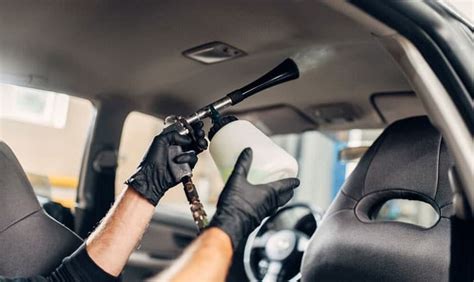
[[287, 70]]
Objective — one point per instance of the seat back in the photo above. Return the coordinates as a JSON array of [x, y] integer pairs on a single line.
[[408, 161], [31, 242]]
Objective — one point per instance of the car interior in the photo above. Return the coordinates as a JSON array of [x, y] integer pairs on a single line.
[[359, 120]]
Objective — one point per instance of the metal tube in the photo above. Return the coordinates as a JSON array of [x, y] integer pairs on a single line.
[[205, 112]]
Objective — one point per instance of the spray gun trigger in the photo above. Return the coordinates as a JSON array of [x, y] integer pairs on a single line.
[[173, 123]]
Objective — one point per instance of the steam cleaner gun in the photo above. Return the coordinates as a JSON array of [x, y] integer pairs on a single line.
[[285, 71]]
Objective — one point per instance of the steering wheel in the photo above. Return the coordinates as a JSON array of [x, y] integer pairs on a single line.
[[273, 252]]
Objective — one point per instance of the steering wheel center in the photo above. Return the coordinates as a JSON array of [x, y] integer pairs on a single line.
[[273, 252], [280, 245]]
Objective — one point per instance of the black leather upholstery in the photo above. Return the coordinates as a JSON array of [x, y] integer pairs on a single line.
[[31, 242], [409, 160]]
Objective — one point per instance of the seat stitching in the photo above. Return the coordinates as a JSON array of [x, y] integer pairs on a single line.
[[20, 219], [348, 196], [335, 212], [438, 167], [445, 205]]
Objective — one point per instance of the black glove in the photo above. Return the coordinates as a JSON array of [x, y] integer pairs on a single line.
[[154, 176], [242, 206]]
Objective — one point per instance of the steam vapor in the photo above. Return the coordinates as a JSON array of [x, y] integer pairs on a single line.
[[311, 58]]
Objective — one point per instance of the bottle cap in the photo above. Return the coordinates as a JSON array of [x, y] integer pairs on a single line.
[[218, 122]]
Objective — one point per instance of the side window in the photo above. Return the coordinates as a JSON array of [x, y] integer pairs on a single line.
[[48, 133], [137, 134]]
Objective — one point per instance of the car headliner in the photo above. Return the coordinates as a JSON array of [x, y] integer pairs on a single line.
[[133, 49]]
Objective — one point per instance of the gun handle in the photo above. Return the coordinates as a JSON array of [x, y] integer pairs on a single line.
[[179, 171]]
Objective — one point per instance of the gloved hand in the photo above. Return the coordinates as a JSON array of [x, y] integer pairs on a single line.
[[154, 176], [242, 206]]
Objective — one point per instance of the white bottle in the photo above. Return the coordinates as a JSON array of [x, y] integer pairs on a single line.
[[269, 162]]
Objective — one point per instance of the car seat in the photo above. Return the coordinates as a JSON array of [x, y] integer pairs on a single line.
[[31, 242], [408, 161]]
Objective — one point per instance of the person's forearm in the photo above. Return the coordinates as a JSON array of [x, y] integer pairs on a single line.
[[207, 259], [111, 244]]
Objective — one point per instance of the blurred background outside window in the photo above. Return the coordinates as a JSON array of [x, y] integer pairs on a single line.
[[47, 131]]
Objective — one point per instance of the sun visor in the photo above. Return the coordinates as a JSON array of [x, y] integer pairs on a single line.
[[278, 119], [396, 105]]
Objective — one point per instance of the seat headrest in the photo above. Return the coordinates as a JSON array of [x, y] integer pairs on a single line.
[[409, 160]]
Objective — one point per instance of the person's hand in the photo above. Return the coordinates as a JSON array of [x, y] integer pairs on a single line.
[[242, 206], [154, 176]]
